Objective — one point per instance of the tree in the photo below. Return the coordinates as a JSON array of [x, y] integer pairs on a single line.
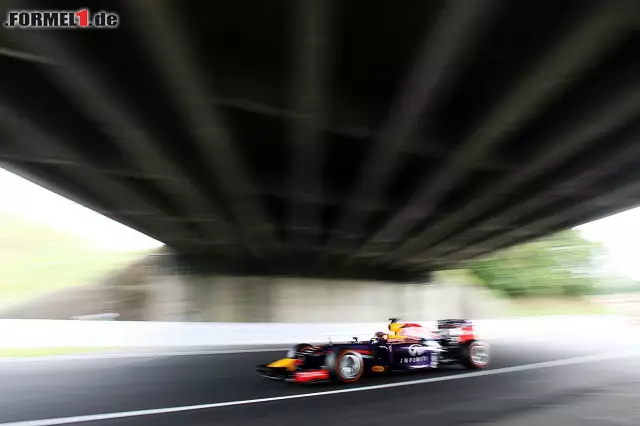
[[559, 264]]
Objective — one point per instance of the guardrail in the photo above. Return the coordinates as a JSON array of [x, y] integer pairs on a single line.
[[59, 333]]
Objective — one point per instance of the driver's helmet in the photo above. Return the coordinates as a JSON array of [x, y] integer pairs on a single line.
[[381, 335]]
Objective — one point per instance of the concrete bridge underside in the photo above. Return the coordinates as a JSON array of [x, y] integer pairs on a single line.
[[351, 139]]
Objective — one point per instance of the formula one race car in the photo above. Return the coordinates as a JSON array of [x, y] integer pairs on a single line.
[[400, 348]]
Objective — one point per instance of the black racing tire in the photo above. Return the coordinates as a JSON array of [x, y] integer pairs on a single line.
[[349, 366], [475, 355]]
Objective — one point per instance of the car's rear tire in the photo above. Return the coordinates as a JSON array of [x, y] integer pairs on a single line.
[[349, 366], [475, 355]]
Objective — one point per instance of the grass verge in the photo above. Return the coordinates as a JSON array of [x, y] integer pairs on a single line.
[[38, 352], [36, 259]]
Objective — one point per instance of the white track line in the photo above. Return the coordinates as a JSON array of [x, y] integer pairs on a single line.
[[133, 355], [156, 411]]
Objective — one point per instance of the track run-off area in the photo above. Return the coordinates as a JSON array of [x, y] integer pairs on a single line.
[[560, 380]]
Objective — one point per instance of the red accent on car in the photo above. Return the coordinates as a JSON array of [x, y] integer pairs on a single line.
[[410, 324], [307, 376], [467, 334], [363, 351]]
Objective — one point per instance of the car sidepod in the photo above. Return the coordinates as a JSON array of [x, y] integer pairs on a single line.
[[414, 355]]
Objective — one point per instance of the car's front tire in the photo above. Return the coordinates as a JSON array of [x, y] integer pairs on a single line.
[[349, 366]]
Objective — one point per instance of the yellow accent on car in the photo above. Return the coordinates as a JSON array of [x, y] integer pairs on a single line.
[[395, 325], [394, 328], [377, 369], [289, 363], [394, 331]]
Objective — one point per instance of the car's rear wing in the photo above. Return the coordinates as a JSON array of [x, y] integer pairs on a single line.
[[457, 330], [454, 323]]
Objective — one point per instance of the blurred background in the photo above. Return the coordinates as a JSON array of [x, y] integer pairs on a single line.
[[66, 262], [189, 191]]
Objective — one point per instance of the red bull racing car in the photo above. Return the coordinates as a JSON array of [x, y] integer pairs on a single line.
[[403, 347]]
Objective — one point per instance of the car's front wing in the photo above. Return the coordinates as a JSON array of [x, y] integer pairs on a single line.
[[297, 376]]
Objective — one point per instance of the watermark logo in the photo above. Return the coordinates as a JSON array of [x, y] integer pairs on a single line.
[[61, 19]]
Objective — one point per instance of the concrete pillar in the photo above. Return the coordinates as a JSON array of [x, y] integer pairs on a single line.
[[253, 299], [168, 298], [198, 292], [291, 302], [222, 300], [287, 299]]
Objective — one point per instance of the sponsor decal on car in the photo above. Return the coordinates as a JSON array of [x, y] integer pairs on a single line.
[[414, 360], [377, 369], [417, 350]]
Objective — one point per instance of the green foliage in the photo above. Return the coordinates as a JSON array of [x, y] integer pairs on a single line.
[[36, 259], [562, 264], [615, 285]]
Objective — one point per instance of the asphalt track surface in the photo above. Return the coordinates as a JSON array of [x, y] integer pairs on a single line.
[[585, 390]]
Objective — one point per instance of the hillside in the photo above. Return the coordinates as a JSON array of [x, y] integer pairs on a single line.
[[37, 259]]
